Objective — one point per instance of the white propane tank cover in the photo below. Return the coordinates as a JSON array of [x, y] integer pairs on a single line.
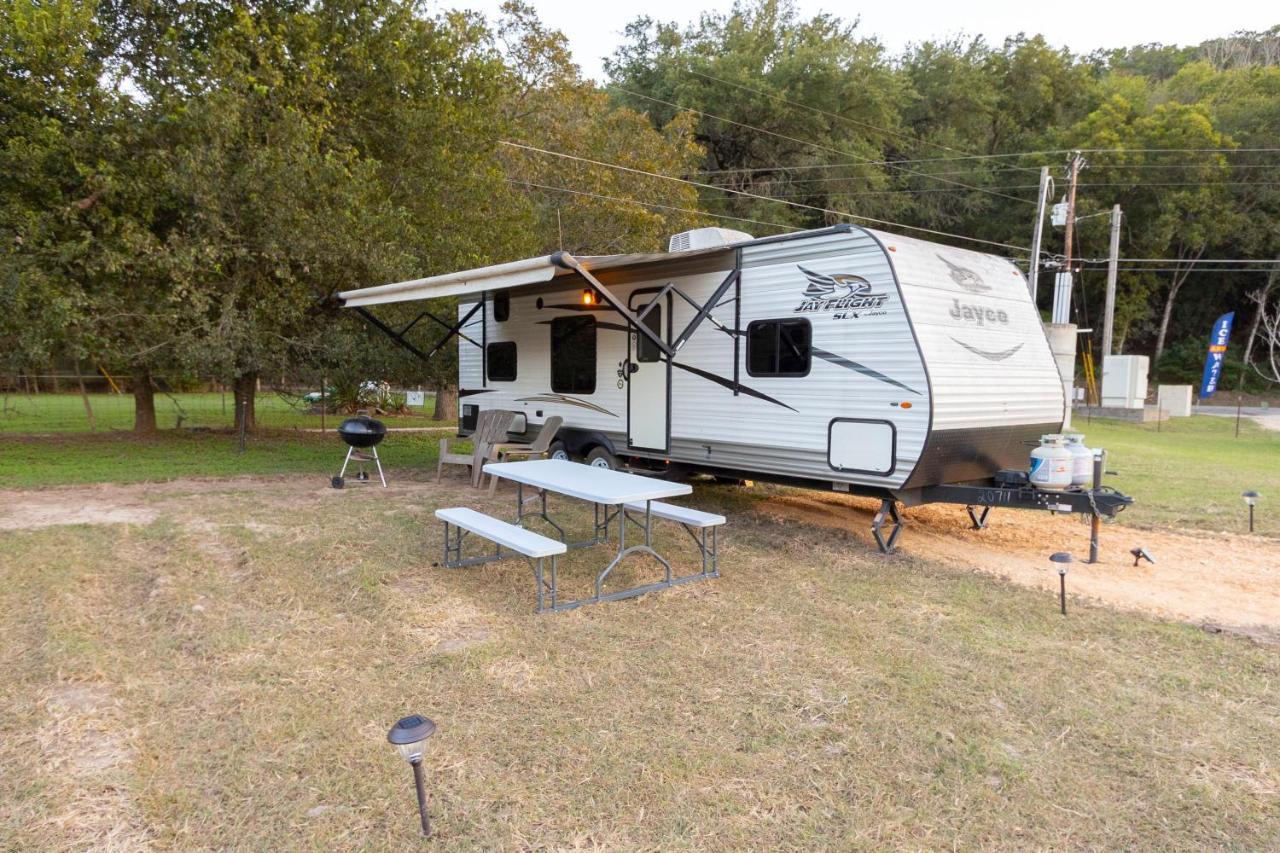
[[1050, 464], [1081, 460]]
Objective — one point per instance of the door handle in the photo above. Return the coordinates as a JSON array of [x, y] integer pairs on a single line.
[[632, 367]]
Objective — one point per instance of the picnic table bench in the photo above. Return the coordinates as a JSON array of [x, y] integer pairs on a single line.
[[615, 496]]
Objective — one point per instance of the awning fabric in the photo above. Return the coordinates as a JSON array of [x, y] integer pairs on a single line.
[[511, 274]]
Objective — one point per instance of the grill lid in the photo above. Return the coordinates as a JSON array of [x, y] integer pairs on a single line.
[[362, 431]]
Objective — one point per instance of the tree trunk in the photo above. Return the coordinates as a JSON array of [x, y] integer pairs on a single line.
[[446, 404], [1178, 280], [244, 388], [1183, 271], [84, 396], [1253, 325], [144, 402]]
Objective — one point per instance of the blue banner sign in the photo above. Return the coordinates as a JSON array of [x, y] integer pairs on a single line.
[[1217, 352]]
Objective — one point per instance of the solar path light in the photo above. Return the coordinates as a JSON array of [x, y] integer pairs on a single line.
[[409, 737], [1062, 558], [1251, 498]]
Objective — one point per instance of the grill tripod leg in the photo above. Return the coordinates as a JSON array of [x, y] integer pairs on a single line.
[[888, 512]]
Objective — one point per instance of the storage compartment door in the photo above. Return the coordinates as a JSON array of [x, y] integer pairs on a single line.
[[862, 446]]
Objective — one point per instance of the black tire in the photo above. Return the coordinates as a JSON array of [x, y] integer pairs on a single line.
[[557, 450], [337, 482], [602, 458]]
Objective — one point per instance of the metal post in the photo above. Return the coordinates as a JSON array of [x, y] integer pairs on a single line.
[[1109, 309], [1062, 584], [1250, 518], [1033, 274], [422, 798], [1095, 520]]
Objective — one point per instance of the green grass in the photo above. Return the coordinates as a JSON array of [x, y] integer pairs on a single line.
[[59, 413], [122, 458], [1189, 472], [223, 678]]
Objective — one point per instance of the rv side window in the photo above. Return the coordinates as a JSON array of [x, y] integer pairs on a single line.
[[646, 350], [779, 347], [573, 355], [501, 360], [502, 306]]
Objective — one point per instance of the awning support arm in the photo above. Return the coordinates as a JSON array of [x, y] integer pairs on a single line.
[[704, 312], [567, 261], [454, 330], [400, 339]]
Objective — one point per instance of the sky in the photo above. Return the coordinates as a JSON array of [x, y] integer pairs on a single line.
[[595, 30]]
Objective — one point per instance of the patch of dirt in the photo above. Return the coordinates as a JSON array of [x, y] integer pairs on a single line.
[[51, 509], [1229, 580], [83, 741]]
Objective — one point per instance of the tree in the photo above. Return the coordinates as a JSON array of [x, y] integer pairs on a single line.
[[788, 108]]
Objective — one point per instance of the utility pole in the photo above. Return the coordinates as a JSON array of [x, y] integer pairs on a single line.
[[1109, 311], [1033, 278], [1062, 290], [1062, 332]]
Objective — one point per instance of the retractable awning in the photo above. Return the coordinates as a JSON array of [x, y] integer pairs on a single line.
[[537, 271], [511, 274]]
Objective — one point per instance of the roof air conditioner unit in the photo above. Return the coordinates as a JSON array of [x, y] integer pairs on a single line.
[[705, 238]]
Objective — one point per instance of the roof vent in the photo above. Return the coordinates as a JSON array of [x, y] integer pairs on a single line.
[[705, 238]]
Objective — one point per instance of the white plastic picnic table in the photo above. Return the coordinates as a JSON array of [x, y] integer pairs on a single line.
[[609, 491]]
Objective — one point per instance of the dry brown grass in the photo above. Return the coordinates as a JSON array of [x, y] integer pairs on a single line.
[[224, 677]]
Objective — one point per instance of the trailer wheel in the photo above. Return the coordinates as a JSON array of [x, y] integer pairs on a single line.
[[557, 450], [336, 482], [602, 458]]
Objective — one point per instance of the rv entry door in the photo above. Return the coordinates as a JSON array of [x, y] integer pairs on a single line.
[[648, 376]]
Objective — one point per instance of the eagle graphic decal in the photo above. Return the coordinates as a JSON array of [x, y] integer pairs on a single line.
[[965, 277], [823, 286]]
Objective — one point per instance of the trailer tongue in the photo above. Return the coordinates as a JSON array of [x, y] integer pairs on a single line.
[[1009, 490]]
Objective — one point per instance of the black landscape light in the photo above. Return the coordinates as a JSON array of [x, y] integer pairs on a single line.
[[1062, 558], [1251, 498], [409, 737], [1140, 554]]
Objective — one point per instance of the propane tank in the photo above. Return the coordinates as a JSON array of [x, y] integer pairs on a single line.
[[1081, 460], [1051, 464]]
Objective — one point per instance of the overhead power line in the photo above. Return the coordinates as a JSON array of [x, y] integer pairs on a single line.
[[818, 145], [968, 157], [746, 194], [853, 121], [650, 204]]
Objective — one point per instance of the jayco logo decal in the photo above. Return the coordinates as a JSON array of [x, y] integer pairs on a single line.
[[845, 295], [965, 277], [979, 315]]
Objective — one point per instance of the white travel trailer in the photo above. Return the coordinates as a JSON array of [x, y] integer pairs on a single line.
[[843, 358]]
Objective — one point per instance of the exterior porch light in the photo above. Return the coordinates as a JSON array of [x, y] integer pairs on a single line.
[[588, 296], [1251, 498], [409, 737]]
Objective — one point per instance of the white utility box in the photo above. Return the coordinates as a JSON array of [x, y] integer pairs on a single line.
[[1174, 400], [1124, 381]]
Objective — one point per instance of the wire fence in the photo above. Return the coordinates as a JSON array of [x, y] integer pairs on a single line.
[[39, 404]]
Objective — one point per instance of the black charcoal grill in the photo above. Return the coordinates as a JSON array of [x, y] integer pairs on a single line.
[[362, 435]]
